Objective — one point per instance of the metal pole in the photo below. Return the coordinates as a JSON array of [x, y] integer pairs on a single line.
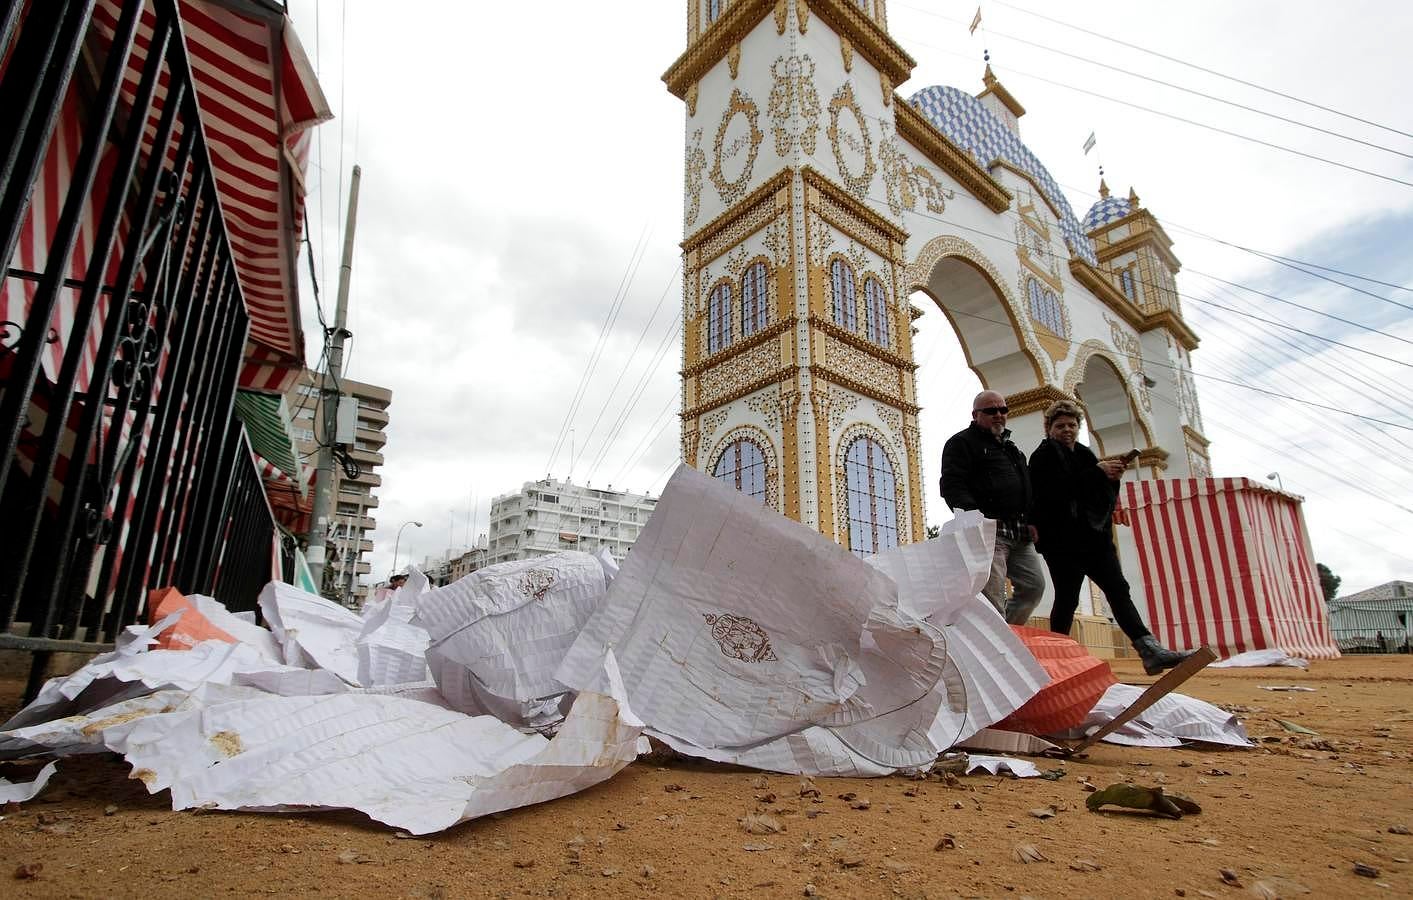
[[328, 398]]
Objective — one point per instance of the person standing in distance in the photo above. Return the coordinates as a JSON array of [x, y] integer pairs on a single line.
[[983, 470], [1075, 492]]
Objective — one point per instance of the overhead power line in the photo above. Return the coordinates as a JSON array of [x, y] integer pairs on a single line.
[[1169, 84], [1201, 68]]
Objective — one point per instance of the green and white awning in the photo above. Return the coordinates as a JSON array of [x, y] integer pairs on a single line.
[[267, 421]]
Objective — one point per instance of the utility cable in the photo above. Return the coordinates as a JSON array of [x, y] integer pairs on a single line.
[[1201, 68], [1169, 84]]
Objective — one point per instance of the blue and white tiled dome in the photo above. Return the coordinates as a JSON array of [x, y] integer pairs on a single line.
[[972, 127], [1106, 210]]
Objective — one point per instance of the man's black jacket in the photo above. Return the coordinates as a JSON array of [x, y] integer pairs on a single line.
[[981, 472], [1074, 499]]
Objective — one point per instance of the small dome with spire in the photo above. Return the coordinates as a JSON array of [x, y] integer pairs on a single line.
[[1109, 208]]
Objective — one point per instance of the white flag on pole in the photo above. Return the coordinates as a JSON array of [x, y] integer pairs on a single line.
[[975, 21], [1089, 144]]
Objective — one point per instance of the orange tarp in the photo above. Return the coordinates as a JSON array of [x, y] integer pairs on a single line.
[[1077, 681]]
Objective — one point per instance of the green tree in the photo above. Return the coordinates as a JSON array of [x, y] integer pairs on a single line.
[[1329, 581]]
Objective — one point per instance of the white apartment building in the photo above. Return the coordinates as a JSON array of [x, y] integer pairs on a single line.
[[548, 516]]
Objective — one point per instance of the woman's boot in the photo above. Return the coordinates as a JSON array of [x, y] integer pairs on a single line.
[[1156, 657]]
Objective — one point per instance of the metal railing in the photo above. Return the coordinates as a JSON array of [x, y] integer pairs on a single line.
[[139, 476]]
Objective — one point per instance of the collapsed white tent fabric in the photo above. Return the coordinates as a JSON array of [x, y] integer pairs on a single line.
[[736, 627], [313, 632], [1174, 720], [497, 635], [1256, 659], [391, 648], [406, 763]]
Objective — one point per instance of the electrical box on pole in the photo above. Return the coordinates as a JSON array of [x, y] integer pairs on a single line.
[[346, 432]]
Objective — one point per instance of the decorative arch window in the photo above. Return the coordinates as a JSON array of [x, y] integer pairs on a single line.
[[1045, 307], [875, 312], [742, 465], [753, 300], [714, 8], [719, 319], [843, 292], [1126, 282], [873, 502]]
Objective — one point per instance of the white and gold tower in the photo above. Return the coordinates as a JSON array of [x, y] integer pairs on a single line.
[[817, 202]]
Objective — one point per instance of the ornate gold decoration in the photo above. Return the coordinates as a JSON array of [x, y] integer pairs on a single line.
[[736, 263], [1036, 399], [692, 93], [746, 141], [766, 404], [712, 421], [853, 147], [852, 217], [733, 60], [793, 95], [740, 638], [1099, 284], [887, 87], [696, 165], [821, 237], [841, 403], [802, 14], [846, 50], [734, 225], [1087, 351], [777, 241], [689, 446], [905, 182], [914, 128], [1187, 398], [782, 15], [890, 417], [880, 379], [739, 374], [1129, 345]]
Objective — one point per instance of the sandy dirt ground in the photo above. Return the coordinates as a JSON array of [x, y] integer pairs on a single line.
[[1295, 817]]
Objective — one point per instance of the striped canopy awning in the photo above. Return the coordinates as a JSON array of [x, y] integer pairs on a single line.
[[258, 99], [267, 421]]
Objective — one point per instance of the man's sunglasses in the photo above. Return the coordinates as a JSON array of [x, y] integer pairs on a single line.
[[994, 410]]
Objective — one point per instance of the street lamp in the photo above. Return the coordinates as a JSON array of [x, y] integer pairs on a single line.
[[398, 543], [1276, 477]]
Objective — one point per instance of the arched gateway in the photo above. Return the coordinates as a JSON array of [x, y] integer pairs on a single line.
[[818, 201]]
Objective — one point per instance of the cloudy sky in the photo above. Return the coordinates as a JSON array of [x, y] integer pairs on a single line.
[[522, 167]]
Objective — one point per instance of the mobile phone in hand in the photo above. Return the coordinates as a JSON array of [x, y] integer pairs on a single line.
[[1130, 456]]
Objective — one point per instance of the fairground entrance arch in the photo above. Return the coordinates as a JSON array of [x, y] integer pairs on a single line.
[[818, 201]]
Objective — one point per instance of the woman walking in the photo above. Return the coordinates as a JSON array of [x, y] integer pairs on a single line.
[[1074, 497]]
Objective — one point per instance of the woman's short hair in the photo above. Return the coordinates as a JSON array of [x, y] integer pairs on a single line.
[[1062, 408]]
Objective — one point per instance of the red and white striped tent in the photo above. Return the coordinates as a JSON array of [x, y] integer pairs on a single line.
[[1225, 562]]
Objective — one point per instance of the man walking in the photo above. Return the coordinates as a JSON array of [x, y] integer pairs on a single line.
[[983, 470]]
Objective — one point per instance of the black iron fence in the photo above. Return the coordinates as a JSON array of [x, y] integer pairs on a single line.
[[122, 467]]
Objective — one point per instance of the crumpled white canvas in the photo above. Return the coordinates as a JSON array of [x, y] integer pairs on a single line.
[[406, 763], [20, 792], [734, 626], [240, 627], [1174, 720], [122, 674], [312, 632], [391, 648], [498, 635], [1254, 659], [1021, 768]]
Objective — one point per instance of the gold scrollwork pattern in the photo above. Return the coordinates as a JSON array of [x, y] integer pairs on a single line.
[[853, 146], [696, 166], [746, 141], [793, 97], [738, 371], [1128, 344], [782, 15], [767, 448], [777, 241], [766, 404], [889, 417], [860, 367], [841, 403], [905, 182], [712, 421]]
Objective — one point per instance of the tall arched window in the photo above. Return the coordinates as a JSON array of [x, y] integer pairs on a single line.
[[714, 8], [719, 320], [753, 297], [875, 312], [1126, 282], [1045, 307], [841, 278], [873, 502], [742, 466]]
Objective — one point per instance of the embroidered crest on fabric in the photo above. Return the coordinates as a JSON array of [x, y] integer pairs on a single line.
[[535, 583], [740, 638]]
